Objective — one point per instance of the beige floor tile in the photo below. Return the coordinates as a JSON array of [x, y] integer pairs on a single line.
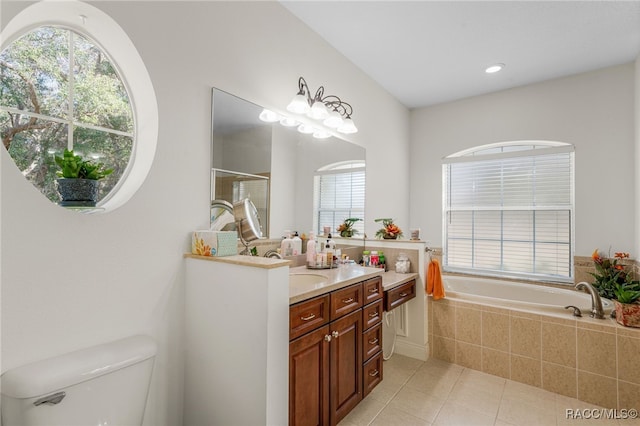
[[403, 362], [393, 417], [457, 415], [364, 413], [480, 380], [524, 413], [485, 400], [516, 391], [388, 388], [416, 403], [433, 383]]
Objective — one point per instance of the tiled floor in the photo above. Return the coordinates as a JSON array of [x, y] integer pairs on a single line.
[[435, 392]]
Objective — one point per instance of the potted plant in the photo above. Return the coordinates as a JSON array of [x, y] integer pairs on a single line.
[[613, 281], [78, 179], [346, 228], [389, 230]]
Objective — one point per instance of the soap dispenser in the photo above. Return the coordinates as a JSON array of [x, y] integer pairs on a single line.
[[297, 244]]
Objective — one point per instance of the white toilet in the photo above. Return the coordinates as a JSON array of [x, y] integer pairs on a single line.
[[98, 386]]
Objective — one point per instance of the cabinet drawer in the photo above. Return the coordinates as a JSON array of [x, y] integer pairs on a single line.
[[346, 300], [372, 341], [372, 373], [372, 314], [308, 315], [372, 290], [399, 295]]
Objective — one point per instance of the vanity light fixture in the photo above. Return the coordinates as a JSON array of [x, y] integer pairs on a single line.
[[333, 111], [269, 116], [494, 68]]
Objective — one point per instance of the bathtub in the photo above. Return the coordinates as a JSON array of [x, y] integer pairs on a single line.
[[508, 294]]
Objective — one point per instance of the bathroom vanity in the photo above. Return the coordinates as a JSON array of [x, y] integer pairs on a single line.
[[270, 344]]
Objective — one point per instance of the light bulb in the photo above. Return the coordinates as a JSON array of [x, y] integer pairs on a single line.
[[298, 104], [321, 134], [268, 116], [494, 68], [334, 120], [306, 129], [318, 111], [348, 126], [288, 122]]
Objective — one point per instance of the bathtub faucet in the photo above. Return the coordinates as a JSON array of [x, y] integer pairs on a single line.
[[596, 302]]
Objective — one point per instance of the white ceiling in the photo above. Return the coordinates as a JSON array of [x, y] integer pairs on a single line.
[[429, 52]]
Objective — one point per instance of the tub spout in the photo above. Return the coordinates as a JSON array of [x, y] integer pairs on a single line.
[[596, 302]]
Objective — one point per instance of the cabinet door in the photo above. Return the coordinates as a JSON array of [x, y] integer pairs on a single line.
[[309, 379], [346, 365]]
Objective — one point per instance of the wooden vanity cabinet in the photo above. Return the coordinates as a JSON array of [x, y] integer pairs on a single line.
[[326, 364], [372, 334]]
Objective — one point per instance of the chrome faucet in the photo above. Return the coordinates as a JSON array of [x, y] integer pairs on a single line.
[[596, 302]]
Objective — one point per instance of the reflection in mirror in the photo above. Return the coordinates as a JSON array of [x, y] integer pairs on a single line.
[[311, 183]]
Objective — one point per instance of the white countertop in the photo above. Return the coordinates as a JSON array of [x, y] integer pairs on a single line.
[[341, 277]]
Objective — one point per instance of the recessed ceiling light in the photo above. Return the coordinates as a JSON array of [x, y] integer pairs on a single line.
[[494, 68]]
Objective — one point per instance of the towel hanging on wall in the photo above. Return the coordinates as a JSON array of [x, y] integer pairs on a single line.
[[434, 280]]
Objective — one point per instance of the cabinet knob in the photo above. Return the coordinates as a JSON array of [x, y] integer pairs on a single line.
[[373, 341], [404, 294], [308, 317], [335, 334], [327, 338], [347, 301], [374, 373], [373, 314], [373, 290]]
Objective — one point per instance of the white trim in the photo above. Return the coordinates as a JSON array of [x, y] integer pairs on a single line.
[[105, 32]]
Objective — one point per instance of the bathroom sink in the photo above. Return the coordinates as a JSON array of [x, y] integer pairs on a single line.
[[303, 280]]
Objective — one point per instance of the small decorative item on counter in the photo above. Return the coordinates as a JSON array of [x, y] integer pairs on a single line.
[[327, 230], [614, 282], [214, 243], [403, 265], [366, 260], [346, 229], [374, 259], [389, 231], [415, 234], [382, 261]]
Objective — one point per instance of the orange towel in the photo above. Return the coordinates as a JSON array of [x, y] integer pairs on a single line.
[[434, 280]]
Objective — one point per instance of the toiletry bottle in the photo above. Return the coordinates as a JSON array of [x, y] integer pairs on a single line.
[[382, 262], [287, 244], [311, 250], [332, 244], [374, 259], [365, 258], [329, 254], [296, 244]]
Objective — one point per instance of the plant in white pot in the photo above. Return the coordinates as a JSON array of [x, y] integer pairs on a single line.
[[78, 180]]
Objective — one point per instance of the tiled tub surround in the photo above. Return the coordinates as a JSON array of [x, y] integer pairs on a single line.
[[595, 361]]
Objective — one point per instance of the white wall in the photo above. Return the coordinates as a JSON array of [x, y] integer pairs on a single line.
[[594, 111], [72, 280]]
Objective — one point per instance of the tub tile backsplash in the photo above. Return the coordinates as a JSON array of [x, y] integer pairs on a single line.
[[593, 360]]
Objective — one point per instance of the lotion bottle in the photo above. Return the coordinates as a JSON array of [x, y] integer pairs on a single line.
[[286, 247], [311, 250], [297, 244]]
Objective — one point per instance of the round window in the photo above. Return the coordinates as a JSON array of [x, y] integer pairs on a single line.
[[62, 93]]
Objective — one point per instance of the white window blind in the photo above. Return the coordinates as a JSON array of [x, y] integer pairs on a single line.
[[509, 211], [339, 192]]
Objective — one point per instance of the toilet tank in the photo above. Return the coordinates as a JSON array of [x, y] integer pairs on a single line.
[[101, 385]]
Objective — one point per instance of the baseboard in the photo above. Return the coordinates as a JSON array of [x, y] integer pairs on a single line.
[[412, 350]]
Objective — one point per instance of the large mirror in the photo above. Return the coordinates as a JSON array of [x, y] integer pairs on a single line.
[[297, 182]]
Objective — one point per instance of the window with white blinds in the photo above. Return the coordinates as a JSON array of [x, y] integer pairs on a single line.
[[509, 209], [338, 194]]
